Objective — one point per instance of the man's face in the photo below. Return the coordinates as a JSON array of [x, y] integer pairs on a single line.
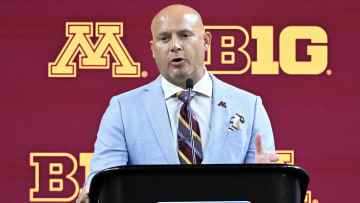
[[179, 44]]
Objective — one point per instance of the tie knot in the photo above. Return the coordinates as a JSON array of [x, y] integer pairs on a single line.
[[183, 96]]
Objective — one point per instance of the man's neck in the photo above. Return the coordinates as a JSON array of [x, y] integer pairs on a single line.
[[196, 79]]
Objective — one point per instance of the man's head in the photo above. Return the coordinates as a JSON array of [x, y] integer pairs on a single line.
[[179, 44]]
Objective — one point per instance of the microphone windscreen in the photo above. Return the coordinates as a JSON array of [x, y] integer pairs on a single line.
[[189, 83]]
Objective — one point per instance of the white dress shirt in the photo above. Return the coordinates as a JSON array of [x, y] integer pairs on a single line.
[[200, 106]]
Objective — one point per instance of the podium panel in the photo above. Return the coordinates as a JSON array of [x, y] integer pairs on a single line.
[[255, 183]]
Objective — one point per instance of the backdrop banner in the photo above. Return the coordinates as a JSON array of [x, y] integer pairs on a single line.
[[62, 61]]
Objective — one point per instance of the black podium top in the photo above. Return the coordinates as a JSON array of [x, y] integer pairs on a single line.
[[255, 183]]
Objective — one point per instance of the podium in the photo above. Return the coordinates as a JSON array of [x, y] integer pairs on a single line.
[[255, 183]]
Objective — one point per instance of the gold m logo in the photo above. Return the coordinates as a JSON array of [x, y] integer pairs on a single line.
[[94, 56]]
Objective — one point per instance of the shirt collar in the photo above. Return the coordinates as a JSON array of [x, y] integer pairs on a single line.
[[203, 86]]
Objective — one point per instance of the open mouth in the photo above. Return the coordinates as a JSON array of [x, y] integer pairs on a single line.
[[177, 61]]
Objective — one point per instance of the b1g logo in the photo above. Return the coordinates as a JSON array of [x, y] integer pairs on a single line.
[[226, 55], [229, 43]]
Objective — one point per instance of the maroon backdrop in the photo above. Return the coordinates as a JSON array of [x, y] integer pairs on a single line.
[[313, 115]]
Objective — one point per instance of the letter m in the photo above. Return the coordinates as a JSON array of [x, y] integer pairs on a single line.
[[94, 56]]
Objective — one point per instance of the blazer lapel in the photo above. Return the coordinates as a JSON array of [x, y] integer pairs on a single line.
[[219, 121], [154, 102]]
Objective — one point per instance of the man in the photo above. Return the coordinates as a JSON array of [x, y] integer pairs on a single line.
[[141, 126]]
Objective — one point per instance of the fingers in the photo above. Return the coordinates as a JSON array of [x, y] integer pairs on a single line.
[[258, 144], [84, 195], [260, 155], [266, 158], [274, 158]]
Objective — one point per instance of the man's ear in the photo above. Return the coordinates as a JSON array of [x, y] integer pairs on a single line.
[[152, 48], [207, 40]]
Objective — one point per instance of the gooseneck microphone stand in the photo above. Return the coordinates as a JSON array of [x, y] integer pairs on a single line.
[[189, 86]]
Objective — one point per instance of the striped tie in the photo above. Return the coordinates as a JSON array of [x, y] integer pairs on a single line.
[[183, 133]]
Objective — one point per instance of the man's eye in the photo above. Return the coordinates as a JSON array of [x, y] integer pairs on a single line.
[[164, 38], [186, 35]]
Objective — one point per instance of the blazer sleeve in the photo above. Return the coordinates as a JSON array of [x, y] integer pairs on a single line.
[[261, 123], [110, 146]]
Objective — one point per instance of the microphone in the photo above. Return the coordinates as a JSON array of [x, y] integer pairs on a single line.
[[189, 83], [189, 86]]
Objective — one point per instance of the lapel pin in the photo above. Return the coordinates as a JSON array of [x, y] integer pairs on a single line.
[[223, 104]]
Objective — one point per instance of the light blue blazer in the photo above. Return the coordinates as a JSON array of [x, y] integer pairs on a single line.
[[135, 129]]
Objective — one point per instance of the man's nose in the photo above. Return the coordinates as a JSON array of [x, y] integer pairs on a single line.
[[175, 45]]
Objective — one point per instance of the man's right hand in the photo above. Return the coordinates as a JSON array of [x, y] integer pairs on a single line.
[[260, 155], [84, 195]]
